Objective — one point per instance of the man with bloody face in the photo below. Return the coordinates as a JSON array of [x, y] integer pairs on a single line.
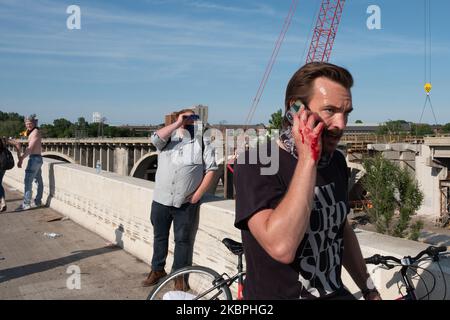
[[294, 223]]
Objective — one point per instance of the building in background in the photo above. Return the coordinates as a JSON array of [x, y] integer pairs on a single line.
[[170, 118], [200, 110], [362, 128], [96, 117]]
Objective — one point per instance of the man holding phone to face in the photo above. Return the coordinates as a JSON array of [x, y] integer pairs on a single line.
[[294, 224], [186, 166]]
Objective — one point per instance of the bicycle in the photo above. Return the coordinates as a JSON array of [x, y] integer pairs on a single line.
[[408, 264], [202, 283]]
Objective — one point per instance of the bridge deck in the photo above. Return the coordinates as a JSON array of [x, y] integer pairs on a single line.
[[33, 266]]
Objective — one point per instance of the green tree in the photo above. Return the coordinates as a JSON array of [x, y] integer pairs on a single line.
[[421, 129], [358, 121], [63, 128], [4, 116], [446, 128], [391, 190], [48, 131], [276, 120], [394, 127], [11, 124], [410, 199]]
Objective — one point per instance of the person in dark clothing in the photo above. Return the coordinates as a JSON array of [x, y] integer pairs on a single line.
[[294, 223], [4, 143]]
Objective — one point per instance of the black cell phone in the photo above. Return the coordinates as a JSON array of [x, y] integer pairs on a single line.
[[295, 107]]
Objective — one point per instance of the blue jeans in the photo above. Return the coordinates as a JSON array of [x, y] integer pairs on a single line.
[[2, 190], [33, 172], [185, 224]]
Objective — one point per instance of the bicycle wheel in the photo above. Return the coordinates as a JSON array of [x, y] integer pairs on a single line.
[[201, 286]]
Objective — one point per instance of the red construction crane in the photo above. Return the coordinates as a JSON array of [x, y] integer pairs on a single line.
[[325, 30], [321, 44]]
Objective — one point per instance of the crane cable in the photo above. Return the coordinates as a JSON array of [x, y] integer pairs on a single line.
[[271, 62], [427, 62]]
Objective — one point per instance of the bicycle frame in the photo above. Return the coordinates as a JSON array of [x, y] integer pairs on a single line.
[[410, 289], [228, 282], [240, 278]]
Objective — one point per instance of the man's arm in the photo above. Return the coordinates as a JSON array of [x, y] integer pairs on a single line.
[[16, 146], [279, 231], [206, 182], [165, 133], [353, 262]]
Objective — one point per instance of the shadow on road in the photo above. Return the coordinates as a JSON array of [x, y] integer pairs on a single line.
[[25, 270]]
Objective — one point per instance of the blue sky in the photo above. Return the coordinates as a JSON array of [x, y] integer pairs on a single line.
[[135, 61]]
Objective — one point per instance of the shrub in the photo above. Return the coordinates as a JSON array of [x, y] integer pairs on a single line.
[[394, 196]]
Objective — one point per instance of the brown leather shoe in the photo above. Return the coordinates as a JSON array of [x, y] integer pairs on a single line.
[[181, 284], [153, 278]]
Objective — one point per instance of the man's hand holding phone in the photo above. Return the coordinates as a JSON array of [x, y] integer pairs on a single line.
[[307, 132]]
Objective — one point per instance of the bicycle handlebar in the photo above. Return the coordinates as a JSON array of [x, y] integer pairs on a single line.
[[431, 251]]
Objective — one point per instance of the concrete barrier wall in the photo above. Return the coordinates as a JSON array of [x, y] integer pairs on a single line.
[[118, 209]]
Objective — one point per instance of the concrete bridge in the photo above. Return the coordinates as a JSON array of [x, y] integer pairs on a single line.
[[137, 157], [134, 157], [118, 209]]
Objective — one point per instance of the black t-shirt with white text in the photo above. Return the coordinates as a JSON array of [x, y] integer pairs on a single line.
[[316, 269]]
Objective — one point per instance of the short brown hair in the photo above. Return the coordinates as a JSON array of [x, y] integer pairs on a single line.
[[300, 85], [183, 111]]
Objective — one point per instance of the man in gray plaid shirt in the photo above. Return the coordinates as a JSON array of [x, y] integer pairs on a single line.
[[186, 166]]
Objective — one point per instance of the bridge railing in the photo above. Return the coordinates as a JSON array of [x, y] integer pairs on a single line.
[[118, 209]]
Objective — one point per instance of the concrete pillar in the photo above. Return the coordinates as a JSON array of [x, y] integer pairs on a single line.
[[89, 155], [76, 153], [95, 155], [136, 154], [82, 154], [121, 159], [103, 158], [408, 161], [130, 152], [110, 159]]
